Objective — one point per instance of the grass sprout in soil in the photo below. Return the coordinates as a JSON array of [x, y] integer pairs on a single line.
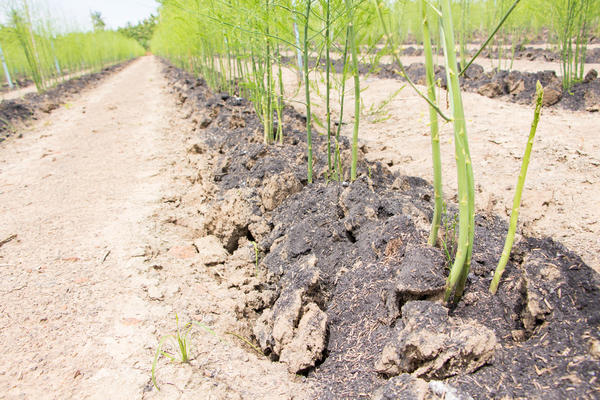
[[179, 343], [349, 292]]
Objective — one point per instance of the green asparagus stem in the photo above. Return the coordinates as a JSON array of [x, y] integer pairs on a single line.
[[514, 216], [435, 134]]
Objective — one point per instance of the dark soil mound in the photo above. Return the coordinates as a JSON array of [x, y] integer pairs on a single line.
[[350, 295], [519, 52], [522, 52], [514, 86], [13, 112], [19, 83]]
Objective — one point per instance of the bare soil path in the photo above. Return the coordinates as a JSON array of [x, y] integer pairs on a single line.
[[97, 272]]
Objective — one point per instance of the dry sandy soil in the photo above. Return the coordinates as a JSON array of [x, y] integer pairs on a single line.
[[99, 267], [563, 182]]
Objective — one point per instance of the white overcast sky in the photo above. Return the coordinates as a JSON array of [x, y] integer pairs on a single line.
[[116, 13]]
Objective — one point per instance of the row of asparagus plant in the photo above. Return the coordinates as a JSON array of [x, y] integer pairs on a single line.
[[466, 188], [244, 56], [34, 48], [567, 25], [466, 194], [242, 45]]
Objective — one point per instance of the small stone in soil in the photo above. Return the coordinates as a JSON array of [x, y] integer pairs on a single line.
[[183, 252], [156, 293], [210, 250]]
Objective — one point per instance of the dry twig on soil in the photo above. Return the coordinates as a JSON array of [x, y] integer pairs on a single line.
[[8, 239]]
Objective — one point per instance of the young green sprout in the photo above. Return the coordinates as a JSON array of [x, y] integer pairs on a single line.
[[355, 74], [435, 133], [518, 192]]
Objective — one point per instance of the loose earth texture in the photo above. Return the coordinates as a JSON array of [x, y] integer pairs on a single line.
[[151, 201], [559, 199]]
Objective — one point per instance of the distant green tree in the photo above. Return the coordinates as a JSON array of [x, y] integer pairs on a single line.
[[97, 20], [142, 32]]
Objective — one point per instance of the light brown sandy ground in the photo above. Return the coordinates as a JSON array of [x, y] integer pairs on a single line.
[[99, 269], [562, 194]]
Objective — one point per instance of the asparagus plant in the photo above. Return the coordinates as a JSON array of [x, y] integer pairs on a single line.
[[514, 216], [466, 187], [434, 129]]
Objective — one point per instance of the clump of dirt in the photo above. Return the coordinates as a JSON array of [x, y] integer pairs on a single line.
[[347, 293], [407, 386], [514, 86], [18, 83], [520, 52], [433, 345], [17, 111]]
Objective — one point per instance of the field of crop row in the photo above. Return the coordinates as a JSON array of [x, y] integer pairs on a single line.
[[239, 47], [375, 198], [33, 49], [324, 58]]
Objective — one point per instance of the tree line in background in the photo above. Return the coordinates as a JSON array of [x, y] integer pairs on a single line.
[[141, 32]]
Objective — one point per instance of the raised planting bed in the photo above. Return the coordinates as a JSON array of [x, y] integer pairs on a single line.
[[347, 293], [513, 86], [521, 52]]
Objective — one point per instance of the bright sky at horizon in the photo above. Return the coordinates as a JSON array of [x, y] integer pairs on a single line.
[[115, 13]]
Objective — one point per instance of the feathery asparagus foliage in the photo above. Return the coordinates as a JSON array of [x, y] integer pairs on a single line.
[[573, 20], [245, 41]]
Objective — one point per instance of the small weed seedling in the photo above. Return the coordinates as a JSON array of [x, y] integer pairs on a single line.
[[180, 341], [449, 223], [380, 112], [256, 252]]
